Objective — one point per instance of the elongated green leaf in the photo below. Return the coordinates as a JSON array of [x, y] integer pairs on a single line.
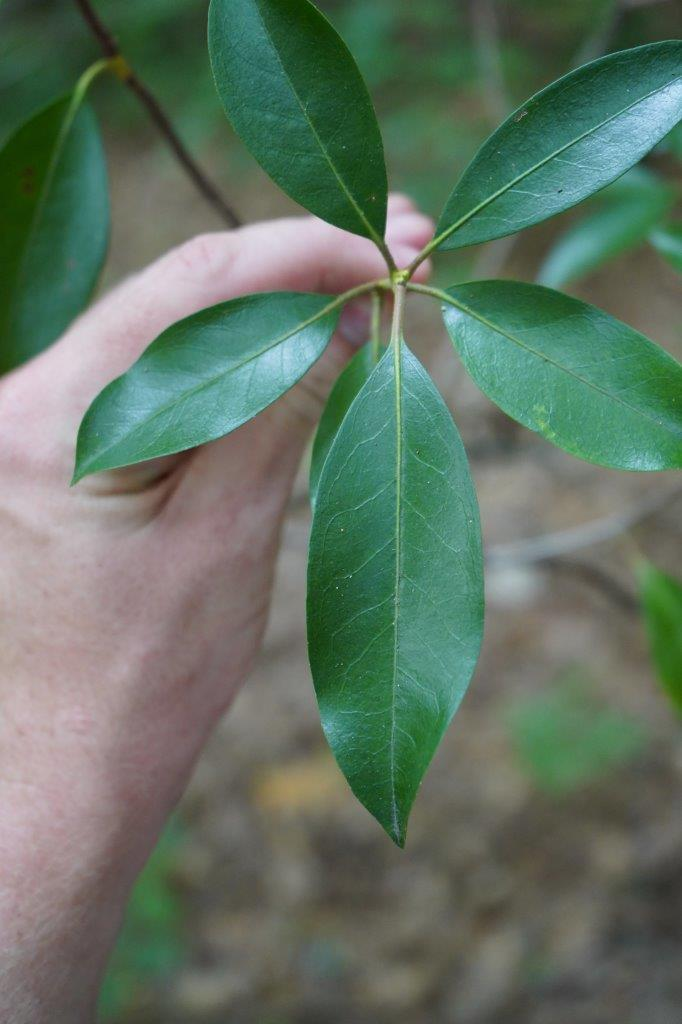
[[566, 142], [585, 381], [205, 376], [54, 225], [661, 598], [395, 586], [609, 232], [294, 94], [349, 382], [668, 243]]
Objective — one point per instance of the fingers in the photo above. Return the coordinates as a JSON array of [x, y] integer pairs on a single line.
[[269, 447], [300, 254]]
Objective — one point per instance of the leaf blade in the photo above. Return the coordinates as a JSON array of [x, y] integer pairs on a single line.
[[667, 240], [607, 114], [349, 382], [582, 379], [617, 227], [205, 376], [395, 591], [661, 599], [54, 221], [295, 96]]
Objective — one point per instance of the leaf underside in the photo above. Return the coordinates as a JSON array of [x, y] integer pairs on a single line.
[[566, 142], [295, 96], [395, 586], [54, 225], [204, 377], [580, 378]]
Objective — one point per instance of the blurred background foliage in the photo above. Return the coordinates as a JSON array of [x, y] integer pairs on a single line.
[[442, 72], [276, 901]]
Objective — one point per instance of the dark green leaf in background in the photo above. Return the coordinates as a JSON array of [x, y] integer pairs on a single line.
[[294, 94], [584, 380], [618, 226], [395, 586], [566, 142], [661, 598], [349, 382], [203, 377], [54, 226], [668, 243]]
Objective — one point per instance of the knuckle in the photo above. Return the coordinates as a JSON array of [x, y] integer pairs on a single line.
[[203, 256]]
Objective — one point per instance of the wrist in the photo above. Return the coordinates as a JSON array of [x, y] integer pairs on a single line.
[[74, 834]]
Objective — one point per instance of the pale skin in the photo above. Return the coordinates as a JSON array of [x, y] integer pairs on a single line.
[[133, 604]]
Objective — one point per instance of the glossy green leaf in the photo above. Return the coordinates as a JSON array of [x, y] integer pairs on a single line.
[[395, 586], [668, 243], [54, 224], [205, 376], [609, 232], [585, 381], [566, 142], [348, 384], [661, 597], [294, 94]]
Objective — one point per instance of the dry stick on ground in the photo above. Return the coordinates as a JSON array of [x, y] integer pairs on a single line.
[[552, 549], [111, 49]]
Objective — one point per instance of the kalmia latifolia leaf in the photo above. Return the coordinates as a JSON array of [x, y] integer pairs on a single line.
[[566, 142], [395, 586], [296, 98], [54, 225], [585, 381], [204, 377]]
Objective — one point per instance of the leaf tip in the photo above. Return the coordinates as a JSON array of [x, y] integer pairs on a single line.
[[396, 829], [399, 837]]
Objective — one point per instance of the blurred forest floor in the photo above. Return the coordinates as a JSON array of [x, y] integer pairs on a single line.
[[542, 879]]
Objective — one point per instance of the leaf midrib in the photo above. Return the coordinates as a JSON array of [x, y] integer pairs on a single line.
[[211, 381], [463, 308], [397, 373], [541, 163], [358, 210]]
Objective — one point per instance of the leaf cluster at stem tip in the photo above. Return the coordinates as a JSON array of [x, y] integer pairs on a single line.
[[395, 569]]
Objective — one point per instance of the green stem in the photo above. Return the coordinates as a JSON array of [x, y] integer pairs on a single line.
[[435, 293], [399, 292], [426, 252], [386, 253], [88, 77], [382, 284], [375, 326]]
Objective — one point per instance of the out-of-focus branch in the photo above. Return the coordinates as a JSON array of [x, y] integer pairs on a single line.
[[566, 542], [556, 551], [596, 577], [486, 35], [111, 49]]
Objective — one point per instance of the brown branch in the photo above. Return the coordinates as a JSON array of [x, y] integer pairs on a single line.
[[111, 49], [598, 578], [566, 542]]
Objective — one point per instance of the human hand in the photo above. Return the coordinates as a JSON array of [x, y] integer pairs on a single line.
[[134, 603]]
